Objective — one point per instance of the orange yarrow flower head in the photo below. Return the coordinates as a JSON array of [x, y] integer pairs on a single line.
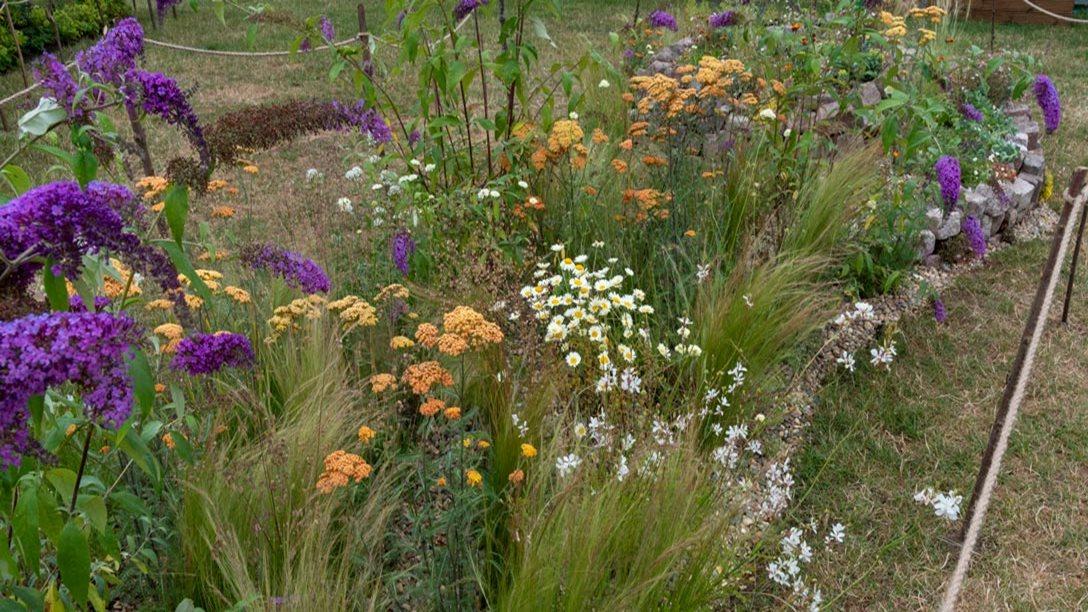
[[340, 469], [472, 327], [432, 407], [379, 383], [421, 377], [452, 413]]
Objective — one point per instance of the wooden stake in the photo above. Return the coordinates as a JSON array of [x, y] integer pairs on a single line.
[[1036, 318], [18, 47], [1073, 267]]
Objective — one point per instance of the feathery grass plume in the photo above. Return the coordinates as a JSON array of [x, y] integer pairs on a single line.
[[252, 525], [760, 313], [602, 543], [827, 204]]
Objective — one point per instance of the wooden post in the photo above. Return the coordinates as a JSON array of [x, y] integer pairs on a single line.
[[53, 21], [18, 47], [1073, 267], [1020, 368], [151, 13], [364, 34], [4, 120]]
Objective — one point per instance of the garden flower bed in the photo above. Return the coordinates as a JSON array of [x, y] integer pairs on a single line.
[[546, 305]]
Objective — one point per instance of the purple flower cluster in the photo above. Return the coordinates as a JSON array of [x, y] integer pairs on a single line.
[[160, 95], [970, 112], [42, 351], [63, 222], [115, 54], [465, 7], [55, 78], [722, 19], [402, 248], [162, 5], [327, 29], [298, 271], [662, 19], [208, 353], [972, 229], [1046, 94], [75, 303], [940, 313], [366, 119], [948, 176]]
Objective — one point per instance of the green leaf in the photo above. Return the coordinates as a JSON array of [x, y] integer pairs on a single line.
[[63, 481], [143, 381], [95, 508], [74, 562], [55, 288], [136, 449], [25, 528], [17, 179], [181, 262], [42, 119], [85, 166], [177, 210]]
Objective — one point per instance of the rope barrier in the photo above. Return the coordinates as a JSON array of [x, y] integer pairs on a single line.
[[1015, 389], [1054, 15], [159, 43]]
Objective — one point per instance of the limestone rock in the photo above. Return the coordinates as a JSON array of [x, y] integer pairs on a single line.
[[927, 241], [870, 94], [978, 199], [1034, 163], [934, 219], [951, 225]]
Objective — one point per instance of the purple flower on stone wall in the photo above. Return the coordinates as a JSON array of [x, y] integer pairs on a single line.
[[940, 313], [298, 271], [722, 19], [948, 176], [208, 353], [972, 230], [1046, 94], [39, 352], [970, 112], [402, 247], [662, 19]]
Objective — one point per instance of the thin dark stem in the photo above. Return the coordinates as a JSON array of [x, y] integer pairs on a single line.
[[483, 85], [82, 465], [139, 136]]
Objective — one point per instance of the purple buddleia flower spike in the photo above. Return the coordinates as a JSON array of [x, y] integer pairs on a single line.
[[161, 96], [1046, 94], [662, 19], [465, 7], [402, 248], [722, 20], [972, 229], [298, 271], [970, 112], [366, 119], [328, 32], [115, 54], [208, 353], [55, 78], [948, 176], [940, 313], [39, 352]]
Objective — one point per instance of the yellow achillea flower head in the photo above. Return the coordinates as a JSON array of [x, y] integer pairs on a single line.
[[340, 469], [452, 345], [474, 478], [172, 332], [396, 290], [222, 212], [472, 326], [421, 377], [452, 413], [238, 294], [159, 304], [379, 383], [251, 169], [400, 342], [427, 335], [528, 451], [366, 434], [194, 302], [355, 312]]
